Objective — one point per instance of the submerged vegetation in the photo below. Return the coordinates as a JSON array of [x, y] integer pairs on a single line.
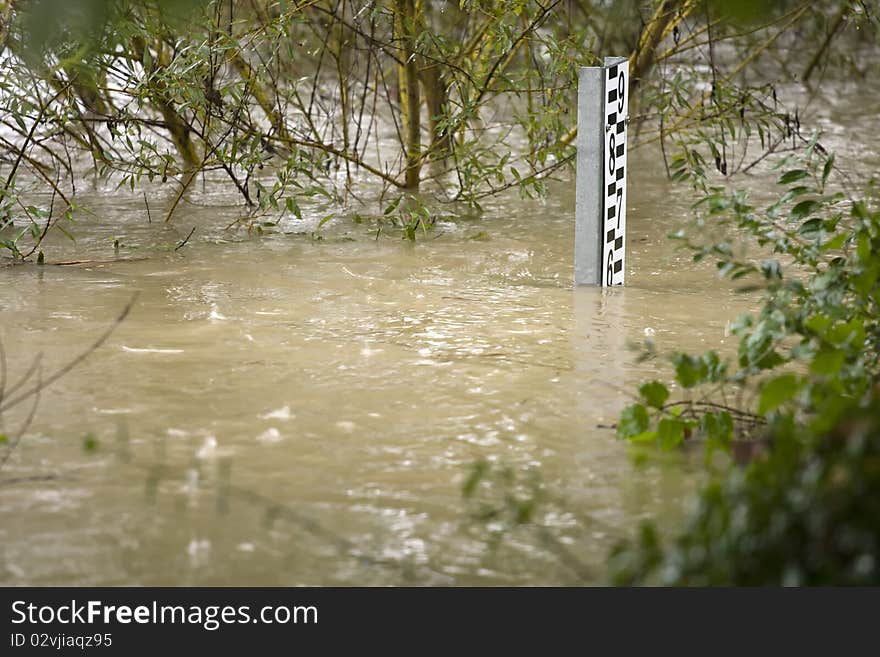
[[289, 102], [347, 108]]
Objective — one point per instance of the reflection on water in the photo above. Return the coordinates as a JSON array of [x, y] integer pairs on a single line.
[[289, 411]]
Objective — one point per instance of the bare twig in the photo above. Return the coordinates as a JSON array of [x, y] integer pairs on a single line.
[[24, 427], [42, 384], [181, 245]]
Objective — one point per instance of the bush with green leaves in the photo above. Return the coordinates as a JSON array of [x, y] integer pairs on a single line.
[[808, 513], [805, 509], [812, 350]]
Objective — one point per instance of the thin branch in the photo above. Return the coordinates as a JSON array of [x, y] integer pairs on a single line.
[[41, 385], [181, 245], [24, 427]]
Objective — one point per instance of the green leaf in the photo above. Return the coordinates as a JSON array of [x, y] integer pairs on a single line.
[[654, 393], [3, 438], [769, 360], [793, 176], [644, 437], [777, 391], [811, 228], [826, 170], [794, 192], [293, 207], [852, 332], [718, 429], [670, 433], [828, 362], [633, 421], [863, 249], [818, 324], [836, 243], [20, 121], [804, 209], [391, 207], [715, 369], [864, 282], [689, 371]]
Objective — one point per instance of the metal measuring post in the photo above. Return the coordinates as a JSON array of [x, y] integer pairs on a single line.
[[600, 196]]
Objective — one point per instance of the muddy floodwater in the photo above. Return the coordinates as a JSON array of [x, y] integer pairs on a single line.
[[284, 410]]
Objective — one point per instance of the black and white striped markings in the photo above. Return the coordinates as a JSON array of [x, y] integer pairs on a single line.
[[614, 171]]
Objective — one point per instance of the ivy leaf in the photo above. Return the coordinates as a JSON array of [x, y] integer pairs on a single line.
[[654, 393], [777, 391]]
